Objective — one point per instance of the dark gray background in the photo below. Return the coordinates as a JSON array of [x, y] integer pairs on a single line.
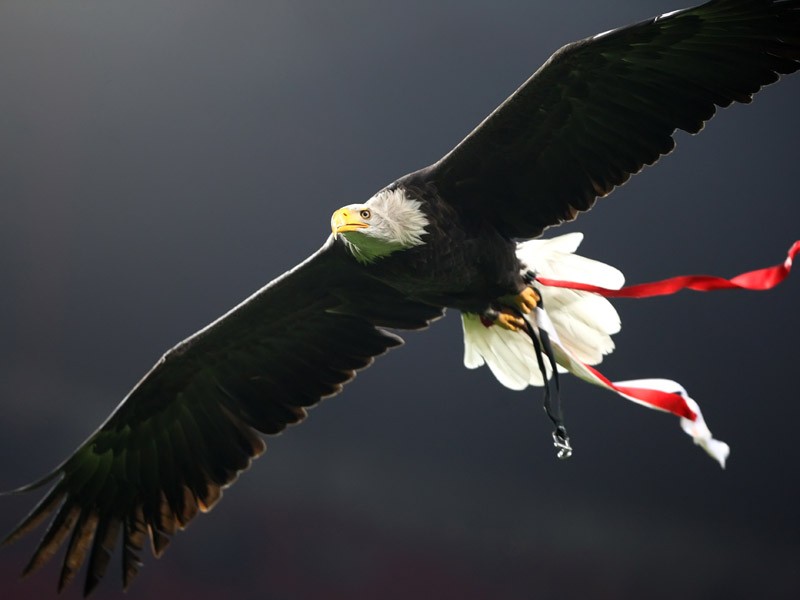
[[160, 160]]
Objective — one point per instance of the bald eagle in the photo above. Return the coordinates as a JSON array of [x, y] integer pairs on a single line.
[[450, 235]]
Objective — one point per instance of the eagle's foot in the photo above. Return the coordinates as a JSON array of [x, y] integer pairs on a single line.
[[527, 300], [509, 320]]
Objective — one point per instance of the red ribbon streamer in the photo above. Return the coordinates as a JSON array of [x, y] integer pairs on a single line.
[[666, 401], [759, 280]]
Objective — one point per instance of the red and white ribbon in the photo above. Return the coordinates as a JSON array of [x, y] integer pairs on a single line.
[[660, 394], [663, 394]]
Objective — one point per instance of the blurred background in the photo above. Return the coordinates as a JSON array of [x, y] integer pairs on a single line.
[[160, 160]]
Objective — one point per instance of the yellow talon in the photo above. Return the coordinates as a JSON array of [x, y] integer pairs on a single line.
[[509, 321], [527, 300]]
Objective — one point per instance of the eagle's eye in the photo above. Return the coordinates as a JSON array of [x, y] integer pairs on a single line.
[[365, 214]]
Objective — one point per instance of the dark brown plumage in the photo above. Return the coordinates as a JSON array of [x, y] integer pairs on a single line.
[[188, 428]]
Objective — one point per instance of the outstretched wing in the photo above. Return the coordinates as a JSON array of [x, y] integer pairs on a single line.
[[600, 109], [188, 428]]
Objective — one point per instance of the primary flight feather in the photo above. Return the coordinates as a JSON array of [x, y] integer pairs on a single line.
[[445, 236]]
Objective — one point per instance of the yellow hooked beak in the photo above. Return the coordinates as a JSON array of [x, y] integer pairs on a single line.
[[346, 219]]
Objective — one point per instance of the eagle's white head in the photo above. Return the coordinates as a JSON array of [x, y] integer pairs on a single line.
[[387, 222]]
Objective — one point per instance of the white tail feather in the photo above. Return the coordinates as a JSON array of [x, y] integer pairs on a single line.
[[584, 321], [508, 354]]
